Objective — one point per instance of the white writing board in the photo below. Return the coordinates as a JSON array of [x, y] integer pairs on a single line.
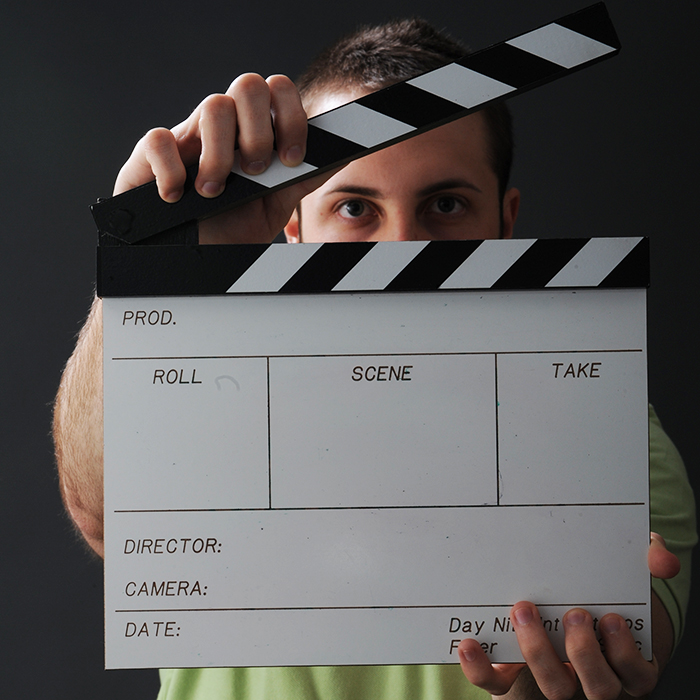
[[368, 476]]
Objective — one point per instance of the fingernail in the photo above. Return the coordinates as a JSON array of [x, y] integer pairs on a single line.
[[523, 616], [212, 189], [610, 625], [172, 197], [469, 654], [256, 167], [294, 155], [575, 617]]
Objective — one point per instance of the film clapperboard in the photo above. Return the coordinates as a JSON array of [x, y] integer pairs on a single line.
[[362, 453]]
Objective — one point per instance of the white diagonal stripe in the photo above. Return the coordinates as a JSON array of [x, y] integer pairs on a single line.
[[594, 262], [561, 45], [274, 268], [276, 173], [461, 85], [361, 125], [487, 264], [380, 265]]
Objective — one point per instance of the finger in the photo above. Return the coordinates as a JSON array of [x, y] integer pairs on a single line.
[[554, 678], [255, 136], [289, 120], [478, 670], [157, 156], [216, 131], [638, 676], [583, 650], [662, 563]]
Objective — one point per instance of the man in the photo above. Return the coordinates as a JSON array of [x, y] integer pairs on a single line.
[[450, 183]]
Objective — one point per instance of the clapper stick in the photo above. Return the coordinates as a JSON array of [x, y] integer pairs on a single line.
[[373, 122]]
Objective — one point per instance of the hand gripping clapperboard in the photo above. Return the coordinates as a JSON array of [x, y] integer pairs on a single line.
[[362, 453]]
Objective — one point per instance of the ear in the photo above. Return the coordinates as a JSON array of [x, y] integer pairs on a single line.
[[291, 230], [511, 204]]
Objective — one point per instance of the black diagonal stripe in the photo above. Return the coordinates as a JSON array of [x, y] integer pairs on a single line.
[[594, 22], [324, 148], [511, 66], [172, 270], [542, 260], [139, 213], [633, 270], [432, 266], [325, 268], [411, 105]]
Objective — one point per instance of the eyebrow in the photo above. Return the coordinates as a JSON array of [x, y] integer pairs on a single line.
[[358, 190], [451, 184]]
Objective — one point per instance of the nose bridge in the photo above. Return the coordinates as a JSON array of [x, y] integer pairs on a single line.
[[403, 225]]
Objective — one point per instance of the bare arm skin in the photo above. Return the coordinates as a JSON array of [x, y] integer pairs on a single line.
[[77, 431]]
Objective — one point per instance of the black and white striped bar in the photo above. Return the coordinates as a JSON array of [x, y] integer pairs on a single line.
[[381, 119], [408, 266]]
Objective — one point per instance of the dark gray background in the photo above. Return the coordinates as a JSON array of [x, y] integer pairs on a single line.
[[609, 151]]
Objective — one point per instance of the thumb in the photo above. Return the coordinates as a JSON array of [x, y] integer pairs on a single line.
[[662, 563]]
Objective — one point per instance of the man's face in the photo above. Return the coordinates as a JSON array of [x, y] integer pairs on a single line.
[[436, 186]]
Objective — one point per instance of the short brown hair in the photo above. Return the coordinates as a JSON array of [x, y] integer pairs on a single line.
[[375, 57]]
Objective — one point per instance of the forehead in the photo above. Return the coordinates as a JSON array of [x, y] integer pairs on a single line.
[[455, 151]]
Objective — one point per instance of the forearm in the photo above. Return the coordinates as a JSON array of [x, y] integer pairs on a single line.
[[78, 433]]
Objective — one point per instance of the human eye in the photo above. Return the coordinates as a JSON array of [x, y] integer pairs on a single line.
[[447, 204], [353, 209]]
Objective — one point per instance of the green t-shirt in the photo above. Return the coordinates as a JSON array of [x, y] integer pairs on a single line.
[[672, 508], [672, 516], [320, 683]]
